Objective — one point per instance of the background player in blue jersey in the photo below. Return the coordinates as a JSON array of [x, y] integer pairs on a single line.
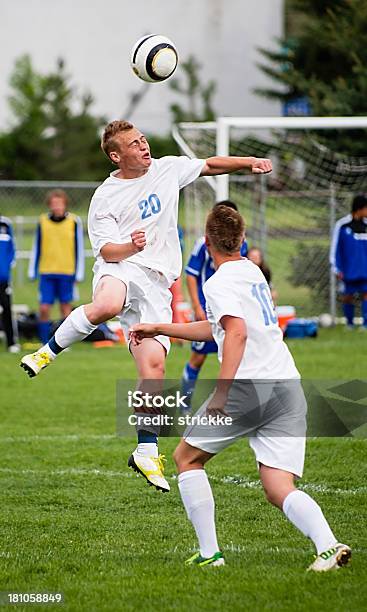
[[198, 269], [348, 257], [7, 259]]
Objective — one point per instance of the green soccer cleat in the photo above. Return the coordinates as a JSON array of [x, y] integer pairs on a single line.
[[331, 559], [216, 560]]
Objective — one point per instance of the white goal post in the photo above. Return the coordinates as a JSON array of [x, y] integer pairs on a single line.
[[290, 213]]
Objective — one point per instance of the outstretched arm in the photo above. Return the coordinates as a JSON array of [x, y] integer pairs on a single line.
[[199, 331], [226, 165]]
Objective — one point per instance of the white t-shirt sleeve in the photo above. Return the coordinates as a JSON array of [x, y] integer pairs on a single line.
[[188, 169], [102, 226], [220, 303]]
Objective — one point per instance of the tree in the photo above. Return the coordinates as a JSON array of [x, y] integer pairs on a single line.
[[54, 135], [323, 58], [199, 97], [304, 272]]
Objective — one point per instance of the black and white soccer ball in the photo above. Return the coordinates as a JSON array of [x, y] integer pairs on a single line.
[[154, 58]]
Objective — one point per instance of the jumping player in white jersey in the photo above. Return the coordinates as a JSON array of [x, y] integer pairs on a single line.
[[258, 388], [132, 226]]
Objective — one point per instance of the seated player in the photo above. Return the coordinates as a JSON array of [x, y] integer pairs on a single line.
[[242, 320], [57, 258], [348, 258], [199, 269], [132, 226]]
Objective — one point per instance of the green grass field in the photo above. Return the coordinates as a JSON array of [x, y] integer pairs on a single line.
[[74, 519]]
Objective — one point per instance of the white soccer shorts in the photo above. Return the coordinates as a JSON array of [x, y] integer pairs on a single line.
[[271, 414], [148, 298]]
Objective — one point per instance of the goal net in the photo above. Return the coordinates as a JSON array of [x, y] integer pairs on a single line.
[[290, 214]]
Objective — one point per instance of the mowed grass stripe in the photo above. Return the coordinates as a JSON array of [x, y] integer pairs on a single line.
[[236, 480]]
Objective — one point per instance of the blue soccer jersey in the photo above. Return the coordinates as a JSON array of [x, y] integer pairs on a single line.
[[201, 265], [348, 253], [7, 249]]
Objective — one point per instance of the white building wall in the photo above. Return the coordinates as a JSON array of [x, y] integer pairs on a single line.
[[95, 38]]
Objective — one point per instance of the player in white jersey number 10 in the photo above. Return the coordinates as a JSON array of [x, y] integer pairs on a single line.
[[258, 395], [132, 225]]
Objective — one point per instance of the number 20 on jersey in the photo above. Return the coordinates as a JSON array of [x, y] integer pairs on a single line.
[[150, 206]]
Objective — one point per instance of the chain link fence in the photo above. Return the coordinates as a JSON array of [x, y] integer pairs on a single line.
[[24, 201], [291, 226]]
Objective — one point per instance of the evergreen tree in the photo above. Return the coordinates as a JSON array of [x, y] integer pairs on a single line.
[[323, 58], [198, 96]]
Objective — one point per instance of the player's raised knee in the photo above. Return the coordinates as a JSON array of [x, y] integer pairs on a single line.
[[105, 311]]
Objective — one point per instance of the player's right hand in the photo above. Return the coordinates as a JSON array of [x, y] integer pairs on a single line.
[[261, 165], [138, 332], [138, 240]]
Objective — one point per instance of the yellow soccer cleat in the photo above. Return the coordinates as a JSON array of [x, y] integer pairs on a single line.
[[35, 362], [151, 468]]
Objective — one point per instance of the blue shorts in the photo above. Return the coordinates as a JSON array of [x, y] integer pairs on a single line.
[[204, 348], [352, 287], [56, 287]]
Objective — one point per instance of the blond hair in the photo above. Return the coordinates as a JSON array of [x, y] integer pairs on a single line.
[[109, 142], [225, 229]]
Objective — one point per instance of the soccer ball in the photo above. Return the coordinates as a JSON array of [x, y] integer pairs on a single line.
[[154, 58], [326, 320]]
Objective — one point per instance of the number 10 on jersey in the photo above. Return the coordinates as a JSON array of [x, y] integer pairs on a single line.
[[261, 292]]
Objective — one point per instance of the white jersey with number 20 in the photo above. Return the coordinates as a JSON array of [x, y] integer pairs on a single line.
[[239, 289], [150, 203]]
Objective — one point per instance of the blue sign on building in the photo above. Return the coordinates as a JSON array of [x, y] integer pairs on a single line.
[[297, 107]]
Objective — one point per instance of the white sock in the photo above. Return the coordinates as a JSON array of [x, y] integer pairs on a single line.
[[75, 328], [46, 349], [198, 500], [147, 449], [307, 516]]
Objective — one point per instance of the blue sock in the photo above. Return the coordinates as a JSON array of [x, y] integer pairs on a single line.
[[44, 331], [364, 312], [188, 381], [55, 348], [147, 437], [348, 310]]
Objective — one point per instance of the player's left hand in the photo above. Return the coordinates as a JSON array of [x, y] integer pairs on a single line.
[[217, 404], [261, 166], [138, 332]]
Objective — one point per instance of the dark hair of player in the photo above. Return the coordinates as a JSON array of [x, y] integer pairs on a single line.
[[225, 229], [359, 202], [228, 203], [108, 142]]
